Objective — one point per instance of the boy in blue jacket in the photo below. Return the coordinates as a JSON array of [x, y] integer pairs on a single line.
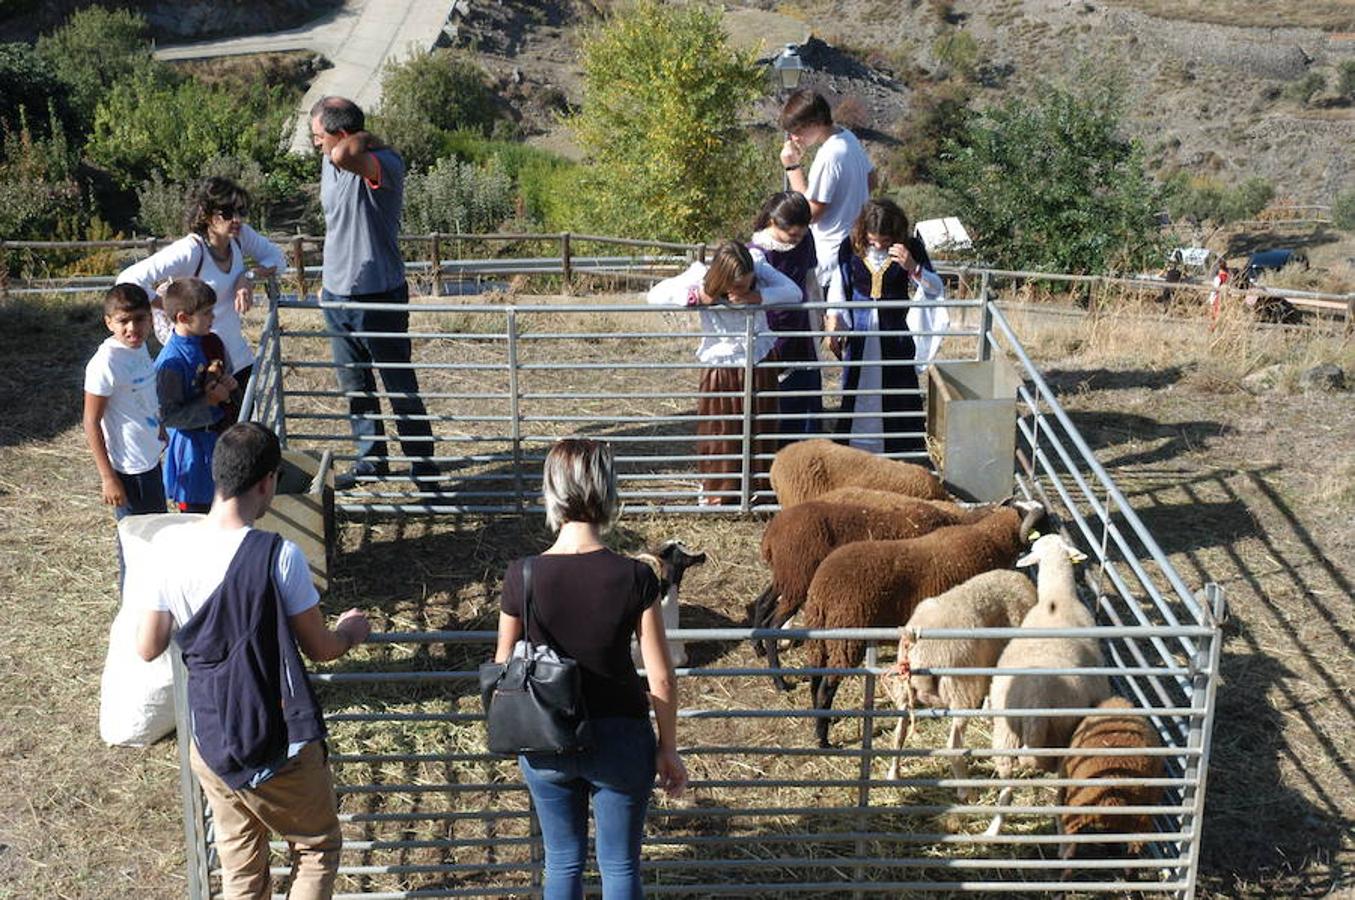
[[194, 385]]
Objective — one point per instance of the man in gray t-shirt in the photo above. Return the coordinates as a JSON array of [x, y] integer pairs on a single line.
[[362, 183]]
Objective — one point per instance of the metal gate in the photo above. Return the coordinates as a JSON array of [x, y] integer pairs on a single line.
[[428, 814]]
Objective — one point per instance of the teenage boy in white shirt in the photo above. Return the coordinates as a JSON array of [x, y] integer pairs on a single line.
[[840, 180]]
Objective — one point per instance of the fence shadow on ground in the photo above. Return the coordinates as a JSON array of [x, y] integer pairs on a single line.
[[1281, 781]]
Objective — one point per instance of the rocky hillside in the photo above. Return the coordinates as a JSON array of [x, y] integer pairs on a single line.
[[1208, 98]]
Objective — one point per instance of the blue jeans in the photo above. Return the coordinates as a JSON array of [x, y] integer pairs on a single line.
[[617, 776], [145, 496], [354, 358]]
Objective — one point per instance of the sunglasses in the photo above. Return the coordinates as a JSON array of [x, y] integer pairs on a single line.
[[233, 212]]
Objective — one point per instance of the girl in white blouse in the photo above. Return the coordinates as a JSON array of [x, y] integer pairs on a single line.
[[215, 250], [723, 291]]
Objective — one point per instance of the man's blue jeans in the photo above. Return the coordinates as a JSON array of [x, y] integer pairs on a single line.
[[354, 358], [617, 776]]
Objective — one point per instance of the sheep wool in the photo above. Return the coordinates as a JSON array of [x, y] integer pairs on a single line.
[[796, 540], [996, 599], [805, 470], [1106, 732], [1058, 606], [872, 584]]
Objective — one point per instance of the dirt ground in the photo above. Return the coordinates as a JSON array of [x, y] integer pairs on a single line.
[[1253, 492]]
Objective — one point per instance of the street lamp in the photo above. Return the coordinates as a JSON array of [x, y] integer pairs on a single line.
[[789, 67]]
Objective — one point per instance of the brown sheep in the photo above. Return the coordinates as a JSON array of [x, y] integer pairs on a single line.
[[876, 584], [798, 539], [806, 470], [1119, 732]]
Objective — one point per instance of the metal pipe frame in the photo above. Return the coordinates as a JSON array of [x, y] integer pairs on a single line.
[[470, 809]]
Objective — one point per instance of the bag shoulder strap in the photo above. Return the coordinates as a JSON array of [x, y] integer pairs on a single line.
[[527, 610]]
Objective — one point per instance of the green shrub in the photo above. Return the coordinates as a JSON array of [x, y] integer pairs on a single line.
[[161, 206], [45, 200], [667, 154], [458, 198], [1303, 89], [1343, 210], [1206, 199], [1051, 183], [29, 90], [1345, 83], [429, 95], [940, 113], [958, 51], [96, 48], [924, 201], [145, 125]]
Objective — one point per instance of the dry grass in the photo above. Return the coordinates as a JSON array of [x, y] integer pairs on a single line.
[[1251, 492]]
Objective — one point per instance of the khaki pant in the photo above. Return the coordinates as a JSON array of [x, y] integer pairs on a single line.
[[299, 804]]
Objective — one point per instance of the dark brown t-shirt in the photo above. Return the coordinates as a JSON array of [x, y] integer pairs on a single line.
[[589, 604]]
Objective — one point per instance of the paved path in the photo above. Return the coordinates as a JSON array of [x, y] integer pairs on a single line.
[[359, 39]]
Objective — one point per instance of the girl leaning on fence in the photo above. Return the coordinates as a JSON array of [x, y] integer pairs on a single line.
[[723, 291]]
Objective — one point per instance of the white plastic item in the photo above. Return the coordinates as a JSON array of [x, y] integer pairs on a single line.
[[136, 698]]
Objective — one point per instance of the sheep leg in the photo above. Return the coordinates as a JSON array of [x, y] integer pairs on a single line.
[[1004, 798], [823, 699], [772, 649], [761, 613], [899, 725], [959, 766]]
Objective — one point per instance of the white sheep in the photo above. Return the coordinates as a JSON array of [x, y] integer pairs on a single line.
[[1058, 606], [996, 599], [805, 470]]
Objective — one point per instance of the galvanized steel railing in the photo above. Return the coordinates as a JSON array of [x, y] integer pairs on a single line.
[[429, 814]]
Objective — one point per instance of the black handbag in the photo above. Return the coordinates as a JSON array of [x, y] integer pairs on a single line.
[[534, 701]]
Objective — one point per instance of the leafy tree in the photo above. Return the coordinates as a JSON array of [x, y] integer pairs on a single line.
[[1051, 184], [429, 95], [94, 49], [668, 157], [28, 89]]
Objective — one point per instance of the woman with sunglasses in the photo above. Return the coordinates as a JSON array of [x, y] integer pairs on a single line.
[[215, 250]]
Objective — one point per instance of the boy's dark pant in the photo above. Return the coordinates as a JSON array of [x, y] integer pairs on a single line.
[[354, 358], [145, 496]]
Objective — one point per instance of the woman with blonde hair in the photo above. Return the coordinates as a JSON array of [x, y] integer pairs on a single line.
[[732, 281], [587, 602]]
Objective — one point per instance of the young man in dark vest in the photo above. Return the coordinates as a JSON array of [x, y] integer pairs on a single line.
[[243, 602]]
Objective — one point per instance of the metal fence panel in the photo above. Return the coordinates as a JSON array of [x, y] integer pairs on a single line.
[[429, 814]]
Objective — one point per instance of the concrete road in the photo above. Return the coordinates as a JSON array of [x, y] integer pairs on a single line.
[[360, 38]]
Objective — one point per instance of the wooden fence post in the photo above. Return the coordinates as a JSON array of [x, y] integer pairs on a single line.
[[299, 263], [436, 259], [4, 272], [566, 264]]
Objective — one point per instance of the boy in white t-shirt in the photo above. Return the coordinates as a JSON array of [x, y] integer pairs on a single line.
[[121, 419], [840, 181]]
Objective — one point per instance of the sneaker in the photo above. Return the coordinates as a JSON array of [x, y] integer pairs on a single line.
[[346, 481]]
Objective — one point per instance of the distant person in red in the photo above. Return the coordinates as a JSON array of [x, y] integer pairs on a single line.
[[1221, 278]]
